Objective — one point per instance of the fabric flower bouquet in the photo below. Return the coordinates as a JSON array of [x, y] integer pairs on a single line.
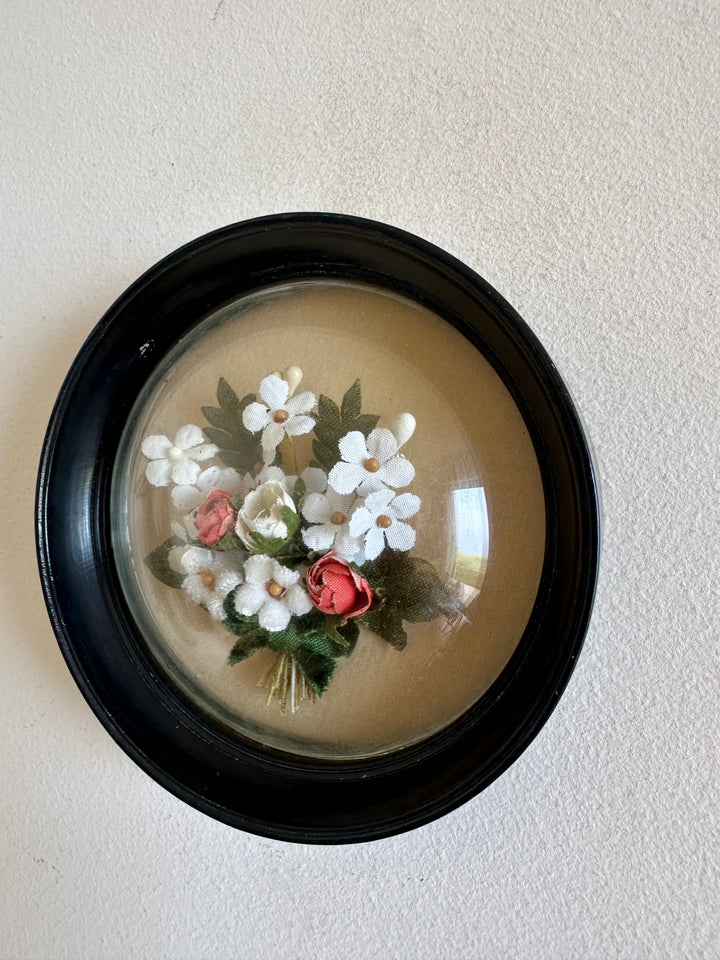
[[294, 562]]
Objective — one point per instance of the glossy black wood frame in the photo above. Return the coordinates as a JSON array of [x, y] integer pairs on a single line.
[[234, 779]]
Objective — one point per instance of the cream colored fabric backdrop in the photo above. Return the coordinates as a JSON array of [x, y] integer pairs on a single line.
[[567, 150]]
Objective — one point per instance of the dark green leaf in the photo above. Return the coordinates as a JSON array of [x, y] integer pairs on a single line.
[[158, 564], [328, 411], [318, 670], [326, 458], [351, 404], [326, 435], [366, 423], [231, 458], [246, 645], [223, 439], [410, 584], [349, 631], [299, 490], [220, 418], [226, 396], [303, 638], [386, 622]]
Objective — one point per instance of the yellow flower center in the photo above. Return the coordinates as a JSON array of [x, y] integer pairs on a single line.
[[384, 521], [274, 589], [372, 465], [208, 579]]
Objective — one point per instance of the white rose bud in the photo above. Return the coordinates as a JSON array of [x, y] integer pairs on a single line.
[[261, 512], [402, 428]]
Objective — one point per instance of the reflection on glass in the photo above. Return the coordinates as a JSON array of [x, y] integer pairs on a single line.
[[472, 538]]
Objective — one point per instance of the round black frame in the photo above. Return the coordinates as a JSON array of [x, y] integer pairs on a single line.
[[233, 779]]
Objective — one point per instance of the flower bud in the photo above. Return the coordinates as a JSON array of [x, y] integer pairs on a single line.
[[402, 428], [293, 376]]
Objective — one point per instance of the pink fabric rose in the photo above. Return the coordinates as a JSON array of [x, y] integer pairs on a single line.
[[336, 588], [215, 517]]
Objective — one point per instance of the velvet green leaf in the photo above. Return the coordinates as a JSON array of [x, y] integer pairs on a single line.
[[158, 564], [410, 584], [318, 670], [386, 622]]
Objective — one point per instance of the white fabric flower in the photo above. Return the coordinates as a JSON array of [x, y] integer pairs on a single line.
[[371, 465], [261, 512], [381, 519], [174, 461], [279, 414], [188, 496], [273, 592], [330, 515], [211, 575], [314, 478]]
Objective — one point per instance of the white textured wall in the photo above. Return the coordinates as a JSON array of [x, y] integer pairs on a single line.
[[567, 150]]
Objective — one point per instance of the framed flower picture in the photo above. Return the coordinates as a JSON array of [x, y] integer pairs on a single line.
[[318, 528]]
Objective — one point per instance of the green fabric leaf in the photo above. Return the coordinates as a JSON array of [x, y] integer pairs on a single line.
[[325, 457], [305, 638], [222, 438], [334, 423], [248, 643], [325, 434], [268, 545], [226, 396], [157, 563], [230, 541], [411, 584], [318, 670], [292, 521], [386, 622], [366, 423], [237, 447], [222, 419], [232, 458], [328, 412], [299, 490], [350, 408]]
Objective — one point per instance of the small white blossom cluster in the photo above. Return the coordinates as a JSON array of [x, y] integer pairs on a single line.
[[229, 523]]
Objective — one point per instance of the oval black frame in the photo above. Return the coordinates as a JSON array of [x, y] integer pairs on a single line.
[[231, 778]]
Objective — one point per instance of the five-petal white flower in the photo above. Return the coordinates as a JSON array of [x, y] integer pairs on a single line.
[[381, 518], [211, 575], [188, 496], [371, 465], [271, 591], [314, 478], [329, 513], [279, 414], [174, 461]]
